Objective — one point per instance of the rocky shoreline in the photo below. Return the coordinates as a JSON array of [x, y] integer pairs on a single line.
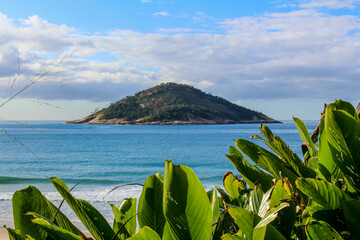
[[195, 121]]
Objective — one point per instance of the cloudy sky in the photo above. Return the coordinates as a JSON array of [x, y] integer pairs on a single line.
[[283, 58]]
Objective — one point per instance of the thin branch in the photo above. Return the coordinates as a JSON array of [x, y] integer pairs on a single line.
[[220, 221], [129, 184], [63, 201], [124, 225]]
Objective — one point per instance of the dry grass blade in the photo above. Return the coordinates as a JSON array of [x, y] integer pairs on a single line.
[[55, 62], [129, 184]]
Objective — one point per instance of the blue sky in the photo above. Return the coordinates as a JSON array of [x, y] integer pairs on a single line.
[[283, 58]]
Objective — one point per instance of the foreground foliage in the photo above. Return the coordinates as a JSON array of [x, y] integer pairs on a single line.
[[281, 197]]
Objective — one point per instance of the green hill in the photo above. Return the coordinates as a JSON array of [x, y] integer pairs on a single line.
[[172, 103]]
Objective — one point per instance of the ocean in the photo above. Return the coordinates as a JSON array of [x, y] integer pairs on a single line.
[[101, 157]]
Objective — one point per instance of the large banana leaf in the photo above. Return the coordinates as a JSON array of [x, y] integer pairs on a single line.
[[250, 173], [286, 218], [30, 199], [342, 131], [232, 185], [265, 160], [286, 156], [90, 221], [187, 208], [351, 210], [16, 234], [322, 192], [52, 229], [215, 206], [232, 237], [319, 230], [145, 233], [247, 222], [123, 213], [151, 204], [305, 136], [256, 196], [265, 203]]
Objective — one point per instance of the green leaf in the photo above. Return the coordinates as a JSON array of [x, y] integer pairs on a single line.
[[265, 203], [256, 196], [232, 237], [322, 192], [265, 160], [16, 234], [186, 206], [145, 233], [319, 230], [80, 211], [345, 106], [250, 173], [215, 206], [271, 215], [231, 185], [245, 220], [286, 218], [125, 211], [351, 210], [304, 135], [342, 132], [328, 170], [285, 154], [151, 204], [226, 197], [52, 229], [30, 199]]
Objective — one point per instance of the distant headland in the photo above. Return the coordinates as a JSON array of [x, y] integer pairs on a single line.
[[174, 104]]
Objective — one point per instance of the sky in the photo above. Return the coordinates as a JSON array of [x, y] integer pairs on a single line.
[[282, 58]]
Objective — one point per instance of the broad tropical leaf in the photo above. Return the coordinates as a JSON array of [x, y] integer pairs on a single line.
[[151, 204], [351, 210], [319, 230], [256, 196], [271, 215], [265, 160], [305, 136], [123, 213], [322, 192], [30, 199], [232, 185], [232, 237], [145, 233], [342, 131], [250, 173], [16, 234], [215, 206], [77, 206], [187, 208], [52, 229]]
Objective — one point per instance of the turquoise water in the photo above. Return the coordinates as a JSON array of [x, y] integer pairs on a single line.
[[100, 157]]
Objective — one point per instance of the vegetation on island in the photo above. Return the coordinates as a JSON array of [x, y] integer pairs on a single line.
[[169, 102], [283, 196]]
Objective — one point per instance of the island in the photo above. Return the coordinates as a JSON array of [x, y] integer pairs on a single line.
[[173, 104]]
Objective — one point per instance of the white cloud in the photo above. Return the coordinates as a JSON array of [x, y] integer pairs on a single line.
[[163, 14], [146, 1], [332, 4], [289, 55]]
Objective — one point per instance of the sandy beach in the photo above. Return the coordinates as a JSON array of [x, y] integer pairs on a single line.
[[4, 234]]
